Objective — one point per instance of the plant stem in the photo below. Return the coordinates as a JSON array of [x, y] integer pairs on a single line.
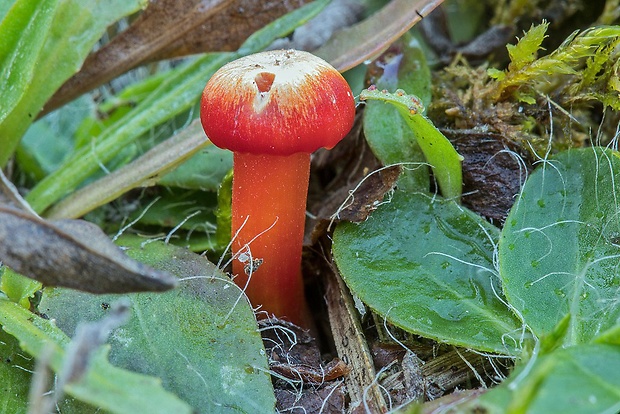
[[268, 216]]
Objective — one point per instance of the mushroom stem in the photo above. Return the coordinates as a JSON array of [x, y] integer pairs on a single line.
[[268, 217]]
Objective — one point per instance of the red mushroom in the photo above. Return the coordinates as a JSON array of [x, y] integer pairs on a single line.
[[273, 109]]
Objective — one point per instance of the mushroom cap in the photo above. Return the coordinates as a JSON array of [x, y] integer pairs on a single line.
[[278, 102]]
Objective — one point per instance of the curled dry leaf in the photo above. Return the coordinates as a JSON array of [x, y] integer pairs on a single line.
[[173, 28], [74, 254], [367, 195]]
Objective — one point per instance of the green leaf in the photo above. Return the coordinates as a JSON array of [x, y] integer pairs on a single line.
[[574, 380], [526, 50], [117, 106], [103, 385], [200, 339], [426, 265], [496, 73], [465, 19], [438, 151], [555, 338], [559, 248], [388, 134], [16, 287], [203, 171], [223, 213], [190, 210], [44, 43], [5, 6], [24, 31], [143, 171], [415, 74], [393, 142], [610, 336], [49, 141], [15, 369]]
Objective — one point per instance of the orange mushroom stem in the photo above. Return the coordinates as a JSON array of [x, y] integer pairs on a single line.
[[273, 109]]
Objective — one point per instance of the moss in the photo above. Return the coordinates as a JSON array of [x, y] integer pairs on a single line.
[[564, 91]]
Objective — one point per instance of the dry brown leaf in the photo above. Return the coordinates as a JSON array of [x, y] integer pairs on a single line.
[[74, 254], [173, 28], [230, 28], [494, 169], [354, 45], [366, 196]]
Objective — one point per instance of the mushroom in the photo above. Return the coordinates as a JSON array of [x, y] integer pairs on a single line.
[[273, 109]]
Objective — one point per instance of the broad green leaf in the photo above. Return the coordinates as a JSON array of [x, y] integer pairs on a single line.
[[388, 134], [559, 250], [575, 380], [438, 151], [393, 142], [44, 43], [426, 265], [15, 368], [103, 385], [200, 339], [49, 141]]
